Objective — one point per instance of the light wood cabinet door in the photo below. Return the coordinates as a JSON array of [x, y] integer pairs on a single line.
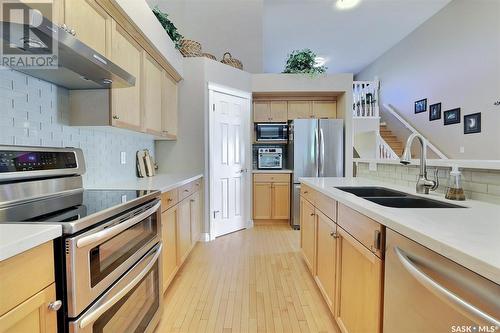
[[33, 315], [279, 112], [308, 233], [326, 233], [280, 201], [152, 95], [169, 221], [324, 109], [261, 112], [195, 205], [170, 106], [183, 231], [126, 102], [262, 201], [299, 110], [91, 23], [359, 287]]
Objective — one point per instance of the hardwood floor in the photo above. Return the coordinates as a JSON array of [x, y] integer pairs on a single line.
[[249, 281]]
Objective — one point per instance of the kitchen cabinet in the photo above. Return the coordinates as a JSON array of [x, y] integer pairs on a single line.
[[195, 210], [169, 221], [270, 112], [308, 233], [359, 286], [326, 239], [28, 304], [91, 23], [126, 102], [152, 95], [170, 106], [184, 231], [299, 110], [324, 109], [271, 197]]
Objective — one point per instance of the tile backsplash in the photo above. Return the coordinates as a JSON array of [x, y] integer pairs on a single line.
[[483, 185], [36, 113]]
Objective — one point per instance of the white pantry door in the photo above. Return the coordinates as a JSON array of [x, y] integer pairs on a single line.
[[228, 171]]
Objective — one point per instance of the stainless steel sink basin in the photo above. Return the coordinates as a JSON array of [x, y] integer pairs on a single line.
[[391, 198], [372, 191], [410, 202]]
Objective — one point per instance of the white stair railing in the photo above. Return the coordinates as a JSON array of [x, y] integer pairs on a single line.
[[393, 112], [385, 151], [365, 99]]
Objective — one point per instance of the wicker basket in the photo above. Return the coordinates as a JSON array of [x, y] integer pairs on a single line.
[[209, 56], [229, 60], [190, 48]]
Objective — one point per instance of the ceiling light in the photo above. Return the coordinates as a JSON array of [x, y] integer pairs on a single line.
[[347, 4], [319, 61]]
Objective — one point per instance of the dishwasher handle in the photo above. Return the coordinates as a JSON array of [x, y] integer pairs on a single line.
[[444, 294]]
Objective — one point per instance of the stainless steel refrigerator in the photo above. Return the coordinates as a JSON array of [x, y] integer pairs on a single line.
[[315, 149]]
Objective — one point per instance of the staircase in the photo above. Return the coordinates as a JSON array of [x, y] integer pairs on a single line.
[[391, 139]]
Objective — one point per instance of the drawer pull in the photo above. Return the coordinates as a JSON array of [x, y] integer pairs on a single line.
[[376, 241], [54, 306], [170, 200], [186, 190], [313, 214], [305, 192]]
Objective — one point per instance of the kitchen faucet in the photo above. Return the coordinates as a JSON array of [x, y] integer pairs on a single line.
[[423, 184]]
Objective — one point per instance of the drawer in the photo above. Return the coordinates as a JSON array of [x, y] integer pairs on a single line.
[[307, 193], [25, 274], [326, 205], [185, 191], [169, 199], [271, 178], [367, 231]]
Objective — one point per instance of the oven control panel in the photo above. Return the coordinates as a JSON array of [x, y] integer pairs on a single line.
[[18, 161]]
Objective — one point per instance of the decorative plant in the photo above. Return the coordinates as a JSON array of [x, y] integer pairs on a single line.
[[169, 27], [303, 62]]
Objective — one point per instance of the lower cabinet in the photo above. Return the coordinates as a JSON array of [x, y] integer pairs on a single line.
[[359, 293], [184, 231], [196, 214], [169, 220], [271, 197], [308, 233], [326, 257]]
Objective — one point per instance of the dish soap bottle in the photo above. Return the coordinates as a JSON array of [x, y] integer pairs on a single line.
[[455, 189]]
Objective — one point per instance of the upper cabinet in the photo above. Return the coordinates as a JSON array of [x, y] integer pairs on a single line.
[[270, 112], [324, 109], [282, 110], [151, 106], [299, 110]]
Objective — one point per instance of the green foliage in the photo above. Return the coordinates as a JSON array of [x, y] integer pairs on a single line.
[[169, 27], [303, 62]]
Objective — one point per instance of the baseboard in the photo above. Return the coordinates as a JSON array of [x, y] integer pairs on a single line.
[[205, 237], [270, 222], [250, 224]]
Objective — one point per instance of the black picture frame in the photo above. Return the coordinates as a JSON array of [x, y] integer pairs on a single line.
[[421, 105], [435, 112], [472, 123], [451, 117]]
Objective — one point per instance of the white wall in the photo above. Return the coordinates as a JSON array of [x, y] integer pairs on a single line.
[[453, 58], [221, 26]]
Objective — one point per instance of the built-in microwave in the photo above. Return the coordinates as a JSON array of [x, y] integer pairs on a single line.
[[271, 132]]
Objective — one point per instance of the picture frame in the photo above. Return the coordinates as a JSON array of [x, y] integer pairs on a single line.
[[421, 105], [472, 123], [435, 112], [451, 116]]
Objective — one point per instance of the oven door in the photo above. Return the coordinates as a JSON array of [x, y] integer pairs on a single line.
[[97, 258], [132, 304], [272, 132]]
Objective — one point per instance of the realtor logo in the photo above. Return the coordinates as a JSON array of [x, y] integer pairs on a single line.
[[27, 40]]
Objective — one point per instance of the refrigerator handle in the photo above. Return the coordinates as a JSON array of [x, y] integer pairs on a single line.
[[316, 151], [322, 153]]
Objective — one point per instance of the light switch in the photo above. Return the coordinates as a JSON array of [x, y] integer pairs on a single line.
[[123, 157]]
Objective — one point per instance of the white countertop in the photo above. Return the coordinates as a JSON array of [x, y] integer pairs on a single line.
[[161, 182], [470, 237], [272, 171], [463, 164], [16, 237]]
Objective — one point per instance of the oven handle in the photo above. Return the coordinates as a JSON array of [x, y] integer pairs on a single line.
[[456, 302], [93, 316], [113, 231]]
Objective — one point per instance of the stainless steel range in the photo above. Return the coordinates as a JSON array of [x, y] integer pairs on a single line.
[[108, 270]]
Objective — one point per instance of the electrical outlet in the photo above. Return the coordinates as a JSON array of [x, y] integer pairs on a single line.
[[462, 150], [123, 157]]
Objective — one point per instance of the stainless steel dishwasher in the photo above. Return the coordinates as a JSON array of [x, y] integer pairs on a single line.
[[426, 292]]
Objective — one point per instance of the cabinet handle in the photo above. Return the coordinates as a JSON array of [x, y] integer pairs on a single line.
[[192, 200], [376, 241], [313, 214], [305, 192], [170, 200], [186, 190], [54, 306], [334, 234], [115, 117]]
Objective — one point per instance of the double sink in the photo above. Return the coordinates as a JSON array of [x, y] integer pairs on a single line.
[[395, 199]]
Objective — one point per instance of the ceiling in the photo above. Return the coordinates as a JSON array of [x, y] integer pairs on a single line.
[[349, 39]]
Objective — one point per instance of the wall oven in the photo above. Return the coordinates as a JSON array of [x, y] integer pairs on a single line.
[[271, 132], [270, 158]]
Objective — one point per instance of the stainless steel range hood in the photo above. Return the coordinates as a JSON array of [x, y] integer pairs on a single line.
[[77, 66]]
